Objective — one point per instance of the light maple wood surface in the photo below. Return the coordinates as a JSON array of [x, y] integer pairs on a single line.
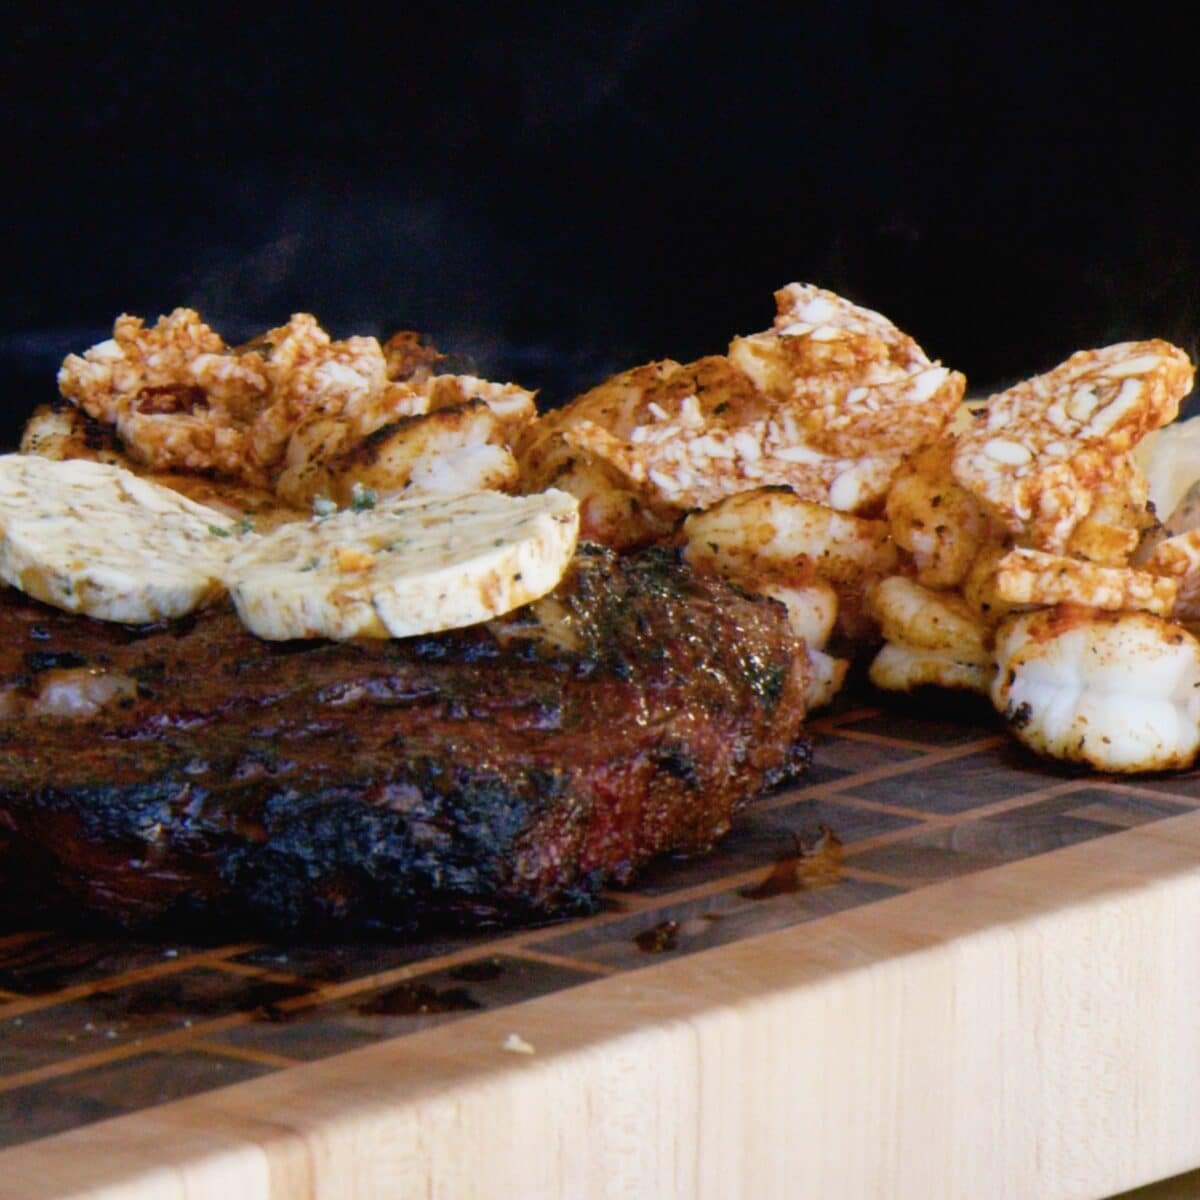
[[1028, 1031]]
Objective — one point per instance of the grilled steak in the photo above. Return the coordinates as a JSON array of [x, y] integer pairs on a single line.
[[502, 772]]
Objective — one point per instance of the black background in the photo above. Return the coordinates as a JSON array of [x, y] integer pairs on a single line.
[[561, 192]]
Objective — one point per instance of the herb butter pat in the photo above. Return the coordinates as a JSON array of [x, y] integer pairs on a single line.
[[96, 539], [402, 568]]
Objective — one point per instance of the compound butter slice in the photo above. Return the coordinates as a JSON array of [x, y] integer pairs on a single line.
[[405, 567], [96, 539]]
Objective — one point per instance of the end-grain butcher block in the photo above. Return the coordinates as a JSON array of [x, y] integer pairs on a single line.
[[499, 772]]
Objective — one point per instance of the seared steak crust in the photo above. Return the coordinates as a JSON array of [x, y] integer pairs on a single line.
[[502, 772]]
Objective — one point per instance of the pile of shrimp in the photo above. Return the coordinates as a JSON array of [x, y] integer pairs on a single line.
[[289, 417], [1007, 548]]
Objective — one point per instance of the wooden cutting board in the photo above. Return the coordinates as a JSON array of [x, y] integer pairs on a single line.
[[986, 982]]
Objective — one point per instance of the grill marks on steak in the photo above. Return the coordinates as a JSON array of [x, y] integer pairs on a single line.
[[499, 772]]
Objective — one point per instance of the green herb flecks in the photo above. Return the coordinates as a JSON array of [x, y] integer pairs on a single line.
[[362, 498]]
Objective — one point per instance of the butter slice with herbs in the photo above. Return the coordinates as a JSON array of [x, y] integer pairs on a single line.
[[403, 568], [95, 539]]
